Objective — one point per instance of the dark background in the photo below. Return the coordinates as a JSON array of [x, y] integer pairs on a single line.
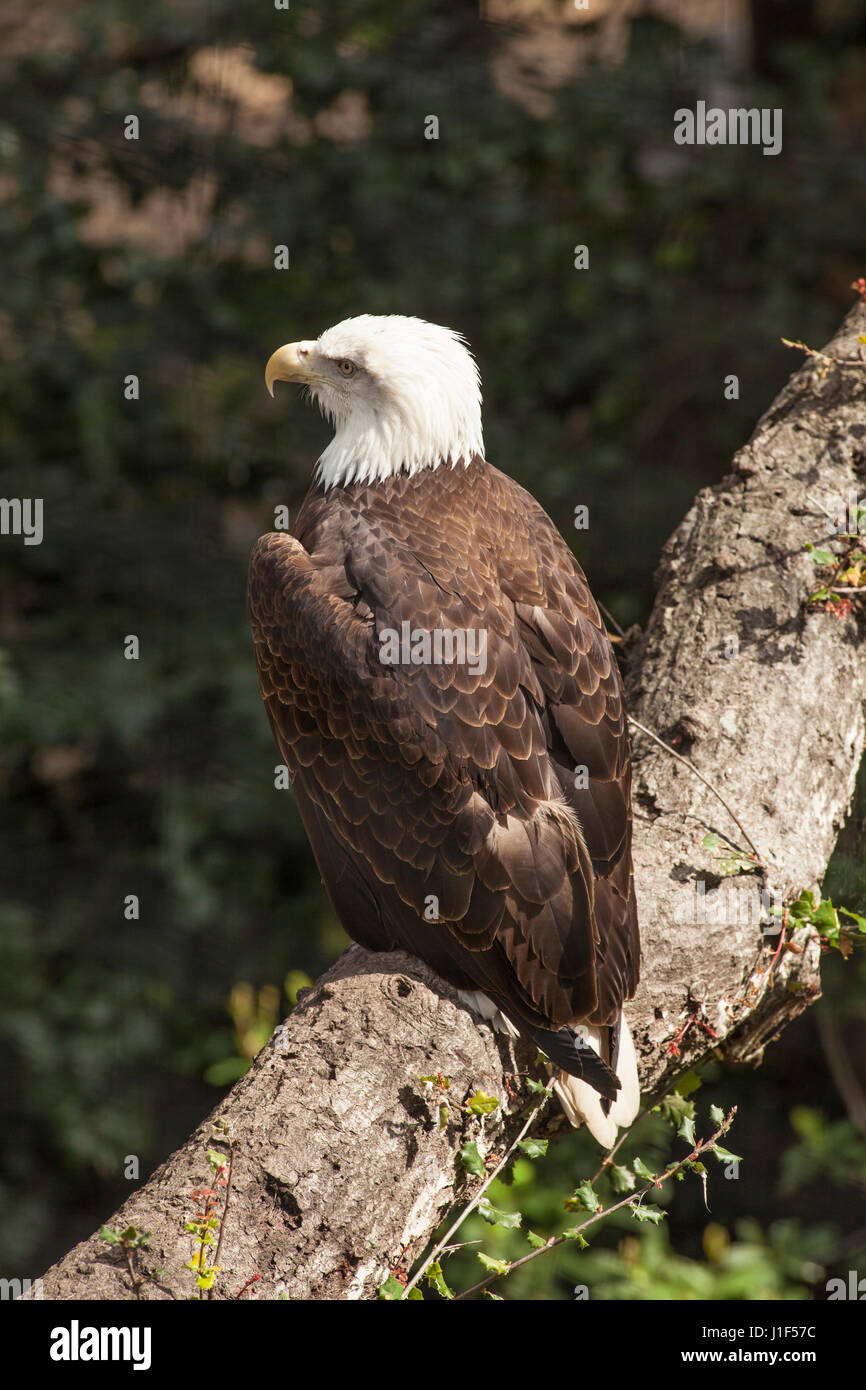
[[155, 257]]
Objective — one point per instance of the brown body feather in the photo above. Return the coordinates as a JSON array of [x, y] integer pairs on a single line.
[[420, 781]]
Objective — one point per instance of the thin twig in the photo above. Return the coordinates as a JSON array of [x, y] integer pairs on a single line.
[[437, 1250], [818, 503], [216, 1258], [136, 1282], [700, 1148], [823, 356], [843, 1073], [690, 765], [611, 619]]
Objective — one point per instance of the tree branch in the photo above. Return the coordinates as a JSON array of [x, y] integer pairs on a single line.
[[343, 1161]]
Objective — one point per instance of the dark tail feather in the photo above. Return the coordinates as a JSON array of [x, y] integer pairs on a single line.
[[575, 1056], [613, 1054]]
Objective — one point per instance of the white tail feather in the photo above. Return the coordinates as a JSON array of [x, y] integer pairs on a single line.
[[582, 1104], [485, 1008]]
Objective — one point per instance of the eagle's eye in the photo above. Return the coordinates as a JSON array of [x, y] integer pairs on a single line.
[[346, 367]]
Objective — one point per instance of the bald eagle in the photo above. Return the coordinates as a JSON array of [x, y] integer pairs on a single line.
[[444, 695]]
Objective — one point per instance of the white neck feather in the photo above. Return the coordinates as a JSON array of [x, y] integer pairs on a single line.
[[372, 452], [419, 405]]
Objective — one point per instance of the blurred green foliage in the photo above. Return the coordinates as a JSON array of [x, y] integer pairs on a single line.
[[155, 258]]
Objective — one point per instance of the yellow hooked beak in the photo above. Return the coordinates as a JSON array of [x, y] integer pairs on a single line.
[[291, 362]]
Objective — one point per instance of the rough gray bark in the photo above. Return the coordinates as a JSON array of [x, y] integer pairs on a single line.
[[341, 1169]]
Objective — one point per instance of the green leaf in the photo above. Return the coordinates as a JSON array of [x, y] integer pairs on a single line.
[[803, 907], [226, 1072], [717, 1116], [472, 1160], [712, 841], [108, 1235], [415, 1295], [391, 1290], [687, 1130], [481, 1103], [533, 1148], [494, 1216], [436, 1279], [644, 1212], [537, 1087], [688, 1083], [622, 1179], [537, 1242], [584, 1198], [674, 1108], [497, 1298], [642, 1171], [295, 981], [821, 557], [491, 1265], [826, 916], [724, 1156], [575, 1234]]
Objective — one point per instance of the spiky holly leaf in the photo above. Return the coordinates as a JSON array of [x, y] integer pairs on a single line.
[[472, 1160], [391, 1290], [645, 1212], [675, 1108], [622, 1179], [642, 1171], [578, 1236], [533, 1148], [583, 1198], [686, 1130], [724, 1156], [538, 1088], [494, 1216], [436, 1279], [481, 1103]]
